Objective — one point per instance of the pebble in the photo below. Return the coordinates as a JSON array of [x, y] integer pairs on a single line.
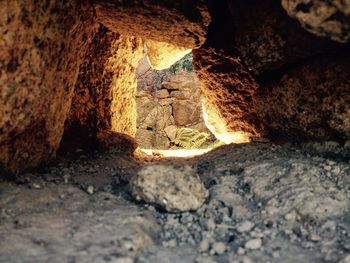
[[240, 251], [313, 237], [204, 245], [219, 247], [245, 226], [253, 244], [90, 189]]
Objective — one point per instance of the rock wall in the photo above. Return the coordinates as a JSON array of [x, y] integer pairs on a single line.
[[268, 74], [41, 47], [182, 23], [163, 107], [104, 97]]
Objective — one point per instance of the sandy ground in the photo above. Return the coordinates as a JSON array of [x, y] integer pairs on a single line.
[[267, 203]]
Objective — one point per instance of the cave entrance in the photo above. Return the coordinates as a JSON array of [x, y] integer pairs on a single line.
[[169, 110]]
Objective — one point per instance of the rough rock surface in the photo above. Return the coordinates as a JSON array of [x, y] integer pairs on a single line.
[[163, 101], [310, 101], [267, 38], [324, 18], [41, 48], [162, 55], [176, 189], [227, 90], [104, 98], [181, 23], [267, 203]]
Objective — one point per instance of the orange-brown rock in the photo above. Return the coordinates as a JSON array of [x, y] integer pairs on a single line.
[[162, 55], [104, 97], [182, 23], [227, 90], [267, 39], [311, 101], [41, 47]]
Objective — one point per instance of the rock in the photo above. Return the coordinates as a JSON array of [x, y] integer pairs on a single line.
[[186, 113], [90, 189], [266, 38], [219, 247], [145, 138], [204, 245], [328, 19], [161, 94], [163, 21], [227, 95], [163, 55], [245, 226], [253, 244], [313, 237], [311, 101], [176, 189], [171, 132], [41, 51], [105, 99]]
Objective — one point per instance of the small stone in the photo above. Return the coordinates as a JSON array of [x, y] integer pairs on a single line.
[[219, 247], [313, 237], [36, 186], [90, 189], [163, 93], [204, 245], [170, 243], [240, 251], [253, 244], [175, 188], [245, 226], [247, 260]]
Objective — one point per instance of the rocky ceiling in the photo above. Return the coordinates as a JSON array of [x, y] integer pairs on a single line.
[[267, 68]]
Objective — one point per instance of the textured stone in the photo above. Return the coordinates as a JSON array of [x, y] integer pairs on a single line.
[[186, 112], [267, 38], [162, 55], [161, 94], [311, 101], [41, 48], [104, 97], [176, 189], [323, 18], [181, 23], [227, 94]]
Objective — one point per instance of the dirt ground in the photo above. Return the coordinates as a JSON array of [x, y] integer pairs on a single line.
[[267, 203]]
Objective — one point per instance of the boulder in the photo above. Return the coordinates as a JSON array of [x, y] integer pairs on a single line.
[[163, 55], [41, 48], [104, 97], [227, 90], [266, 38], [310, 101], [324, 18], [176, 189], [181, 23]]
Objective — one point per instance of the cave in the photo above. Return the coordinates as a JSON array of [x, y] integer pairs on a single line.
[[269, 84]]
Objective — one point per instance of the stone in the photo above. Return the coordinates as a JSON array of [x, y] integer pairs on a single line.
[[311, 101], [253, 244], [163, 55], [227, 95], [204, 245], [145, 138], [219, 247], [105, 99], [41, 49], [176, 189], [245, 226], [186, 112], [162, 21], [90, 189], [266, 38], [328, 19], [171, 132], [161, 94]]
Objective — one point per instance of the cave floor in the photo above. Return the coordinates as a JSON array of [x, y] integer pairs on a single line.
[[268, 203]]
